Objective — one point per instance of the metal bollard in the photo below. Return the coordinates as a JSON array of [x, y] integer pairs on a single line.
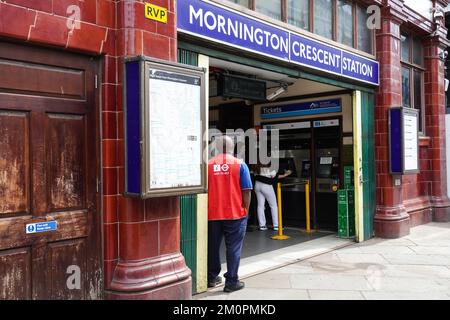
[[280, 235]]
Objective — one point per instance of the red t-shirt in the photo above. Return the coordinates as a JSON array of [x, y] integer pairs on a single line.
[[227, 177]]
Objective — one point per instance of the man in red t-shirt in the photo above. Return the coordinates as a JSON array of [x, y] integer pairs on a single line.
[[229, 194]]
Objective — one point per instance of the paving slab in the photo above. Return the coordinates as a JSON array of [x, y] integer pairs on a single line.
[[379, 295], [330, 282], [418, 259], [335, 295]]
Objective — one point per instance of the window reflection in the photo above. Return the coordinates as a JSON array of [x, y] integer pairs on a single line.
[[270, 8], [323, 18], [298, 13]]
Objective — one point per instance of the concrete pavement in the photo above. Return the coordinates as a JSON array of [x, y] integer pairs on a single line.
[[414, 267]]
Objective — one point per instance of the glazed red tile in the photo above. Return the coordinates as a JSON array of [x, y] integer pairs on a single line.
[[109, 153], [120, 153], [109, 46], [169, 236], [106, 11], [109, 97], [162, 208], [131, 209], [121, 180], [88, 38], [110, 181], [41, 5], [109, 69], [110, 209], [111, 241], [50, 29], [156, 46], [15, 21], [167, 29], [88, 9], [138, 241], [120, 130], [129, 42], [109, 125]]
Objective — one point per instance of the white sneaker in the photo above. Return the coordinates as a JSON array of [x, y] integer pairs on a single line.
[[263, 228], [276, 229]]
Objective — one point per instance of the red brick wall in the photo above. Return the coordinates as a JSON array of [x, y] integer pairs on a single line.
[[141, 238]]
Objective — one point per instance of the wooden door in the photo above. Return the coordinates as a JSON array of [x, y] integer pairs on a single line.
[[49, 165]]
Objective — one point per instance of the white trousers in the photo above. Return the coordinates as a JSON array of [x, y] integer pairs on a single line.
[[265, 192]]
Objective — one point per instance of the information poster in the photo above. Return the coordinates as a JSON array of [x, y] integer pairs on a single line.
[[175, 130], [410, 141]]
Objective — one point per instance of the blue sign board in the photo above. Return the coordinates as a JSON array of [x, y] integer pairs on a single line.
[[41, 227], [217, 23], [403, 141], [301, 109]]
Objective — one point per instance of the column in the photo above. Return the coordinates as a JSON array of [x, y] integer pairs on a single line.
[[144, 259], [435, 123], [391, 218]]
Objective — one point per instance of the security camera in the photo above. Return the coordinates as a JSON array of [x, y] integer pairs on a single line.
[[277, 93], [447, 82], [443, 55]]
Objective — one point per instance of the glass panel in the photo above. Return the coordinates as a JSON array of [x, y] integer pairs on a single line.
[[245, 3], [345, 22], [406, 87], [298, 13], [417, 52], [323, 18], [405, 40], [418, 95], [364, 33], [270, 8]]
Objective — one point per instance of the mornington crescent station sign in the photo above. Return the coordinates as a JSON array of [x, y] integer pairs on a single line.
[[217, 23]]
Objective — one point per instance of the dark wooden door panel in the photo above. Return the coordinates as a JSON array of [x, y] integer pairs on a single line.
[[34, 79], [66, 167], [66, 259], [14, 163], [15, 271], [48, 172]]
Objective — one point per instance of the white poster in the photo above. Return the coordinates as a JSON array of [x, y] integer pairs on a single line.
[[175, 130], [411, 143]]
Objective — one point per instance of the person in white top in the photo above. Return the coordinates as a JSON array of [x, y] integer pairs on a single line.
[[264, 189]]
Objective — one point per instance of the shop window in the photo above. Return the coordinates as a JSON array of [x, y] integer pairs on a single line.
[[244, 3], [298, 13], [269, 8], [323, 18], [365, 35], [345, 22], [412, 75]]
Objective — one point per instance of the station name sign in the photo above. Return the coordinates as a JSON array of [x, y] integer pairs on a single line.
[[217, 23]]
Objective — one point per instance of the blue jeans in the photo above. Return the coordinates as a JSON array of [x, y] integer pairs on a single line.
[[234, 233]]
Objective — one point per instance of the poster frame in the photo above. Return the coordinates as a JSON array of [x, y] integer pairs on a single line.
[[145, 65], [401, 152]]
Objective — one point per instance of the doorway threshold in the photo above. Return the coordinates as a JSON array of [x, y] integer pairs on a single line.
[[279, 258]]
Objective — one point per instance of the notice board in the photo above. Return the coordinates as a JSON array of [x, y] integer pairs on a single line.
[[165, 121], [404, 140]]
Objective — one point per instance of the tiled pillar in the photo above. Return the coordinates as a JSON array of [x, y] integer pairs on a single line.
[[435, 124], [149, 264], [391, 218]]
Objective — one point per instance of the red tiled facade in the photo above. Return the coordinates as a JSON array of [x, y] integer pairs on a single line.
[[142, 258], [422, 197]]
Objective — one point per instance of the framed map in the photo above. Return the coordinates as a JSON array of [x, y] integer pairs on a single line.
[[169, 110]]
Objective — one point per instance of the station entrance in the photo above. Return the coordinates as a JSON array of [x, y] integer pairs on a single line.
[[321, 124], [314, 125]]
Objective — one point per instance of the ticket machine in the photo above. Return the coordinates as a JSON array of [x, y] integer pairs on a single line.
[[327, 139]]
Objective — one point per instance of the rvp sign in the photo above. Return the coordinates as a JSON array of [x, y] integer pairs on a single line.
[[156, 13]]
